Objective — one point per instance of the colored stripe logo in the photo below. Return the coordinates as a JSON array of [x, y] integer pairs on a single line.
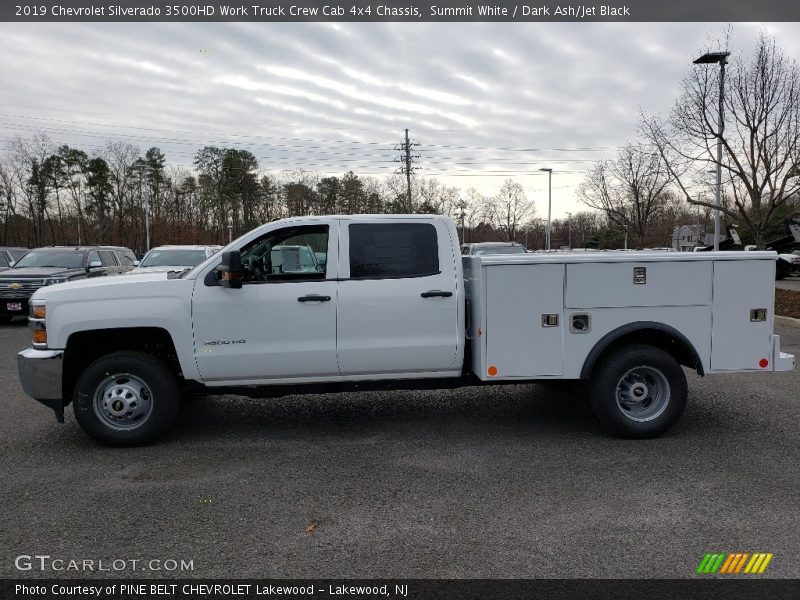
[[734, 563]]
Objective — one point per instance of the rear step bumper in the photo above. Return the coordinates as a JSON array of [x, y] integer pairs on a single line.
[[781, 361]]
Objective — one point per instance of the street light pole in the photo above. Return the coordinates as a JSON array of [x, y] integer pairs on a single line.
[[569, 230], [549, 204], [144, 169], [722, 59]]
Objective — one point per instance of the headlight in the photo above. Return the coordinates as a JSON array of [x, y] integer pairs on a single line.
[[54, 280], [38, 324]]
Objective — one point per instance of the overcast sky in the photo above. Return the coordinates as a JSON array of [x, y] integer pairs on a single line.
[[485, 102]]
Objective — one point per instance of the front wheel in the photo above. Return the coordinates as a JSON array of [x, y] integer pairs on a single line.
[[638, 391], [126, 398]]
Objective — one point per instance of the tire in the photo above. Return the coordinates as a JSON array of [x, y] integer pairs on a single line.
[[638, 391], [126, 398]]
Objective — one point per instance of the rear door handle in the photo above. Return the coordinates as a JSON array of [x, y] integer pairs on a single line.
[[314, 298], [436, 294]]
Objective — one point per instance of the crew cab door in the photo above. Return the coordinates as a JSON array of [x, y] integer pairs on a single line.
[[281, 324], [398, 302]]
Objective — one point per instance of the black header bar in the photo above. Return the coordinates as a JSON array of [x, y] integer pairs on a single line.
[[415, 11]]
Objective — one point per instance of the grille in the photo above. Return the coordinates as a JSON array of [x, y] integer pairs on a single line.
[[26, 289]]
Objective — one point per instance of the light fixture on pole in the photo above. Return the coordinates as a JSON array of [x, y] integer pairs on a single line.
[[722, 59], [549, 205]]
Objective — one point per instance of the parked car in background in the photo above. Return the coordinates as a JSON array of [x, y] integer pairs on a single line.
[[55, 264], [487, 248], [126, 256], [9, 255], [174, 258], [788, 263], [796, 262]]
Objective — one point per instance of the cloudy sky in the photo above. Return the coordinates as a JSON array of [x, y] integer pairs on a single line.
[[485, 102]]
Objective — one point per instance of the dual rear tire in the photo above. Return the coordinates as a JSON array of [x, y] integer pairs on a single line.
[[638, 391]]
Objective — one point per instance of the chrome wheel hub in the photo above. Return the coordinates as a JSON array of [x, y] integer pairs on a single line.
[[642, 393], [123, 401]]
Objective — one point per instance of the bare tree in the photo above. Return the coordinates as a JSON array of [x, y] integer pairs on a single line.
[[511, 209], [631, 189], [761, 154]]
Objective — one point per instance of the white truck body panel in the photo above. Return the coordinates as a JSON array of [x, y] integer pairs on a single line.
[[705, 297], [379, 329], [270, 334], [385, 326]]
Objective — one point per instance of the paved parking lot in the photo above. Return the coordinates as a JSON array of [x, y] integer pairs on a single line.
[[789, 283], [492, 482]]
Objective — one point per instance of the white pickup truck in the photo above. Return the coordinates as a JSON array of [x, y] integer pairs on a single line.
[[340, 303]]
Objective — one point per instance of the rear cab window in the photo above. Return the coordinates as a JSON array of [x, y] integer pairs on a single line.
[[393, 250]]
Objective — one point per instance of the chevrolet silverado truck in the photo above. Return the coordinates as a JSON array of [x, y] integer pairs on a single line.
[[394, 305], [56, 264]]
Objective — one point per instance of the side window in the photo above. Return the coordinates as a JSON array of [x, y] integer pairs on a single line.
[[291, 254], [125, 258], [381, 251], [107, 258], [3, 260], [93, 257]]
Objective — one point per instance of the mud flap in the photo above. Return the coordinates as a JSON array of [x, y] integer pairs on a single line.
[[57, 404]]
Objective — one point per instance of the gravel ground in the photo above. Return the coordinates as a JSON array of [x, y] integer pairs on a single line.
[[787, 303], [503, 482]]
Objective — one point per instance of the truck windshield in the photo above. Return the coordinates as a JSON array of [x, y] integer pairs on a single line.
[[66, 259], [169, 258]]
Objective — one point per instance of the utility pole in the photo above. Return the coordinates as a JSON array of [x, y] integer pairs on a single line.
[[463, 205], [406, 168], [549, 205]]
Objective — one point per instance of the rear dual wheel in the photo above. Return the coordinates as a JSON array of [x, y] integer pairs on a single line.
[[638, 391]]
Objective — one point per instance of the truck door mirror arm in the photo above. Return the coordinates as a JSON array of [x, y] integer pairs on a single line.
[[229, 272]]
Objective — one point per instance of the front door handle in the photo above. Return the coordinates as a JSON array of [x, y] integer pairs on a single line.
[[314, 298], [436, 294]]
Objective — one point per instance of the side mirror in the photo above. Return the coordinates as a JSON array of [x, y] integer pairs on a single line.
[[94, 264], [229, 271], [11, 263], [136, 263]]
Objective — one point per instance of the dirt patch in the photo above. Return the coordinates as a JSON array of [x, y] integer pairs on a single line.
[[787, 303]]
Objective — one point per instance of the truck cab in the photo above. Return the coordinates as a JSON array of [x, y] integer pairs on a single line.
[[388, 302]]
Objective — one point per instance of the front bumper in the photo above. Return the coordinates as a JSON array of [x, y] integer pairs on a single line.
[[40, 373]]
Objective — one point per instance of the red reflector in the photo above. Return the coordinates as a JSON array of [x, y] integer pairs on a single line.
[[763, 363]]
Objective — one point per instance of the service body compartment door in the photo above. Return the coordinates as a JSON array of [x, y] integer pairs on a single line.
[[522, 303], [737, 342]]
